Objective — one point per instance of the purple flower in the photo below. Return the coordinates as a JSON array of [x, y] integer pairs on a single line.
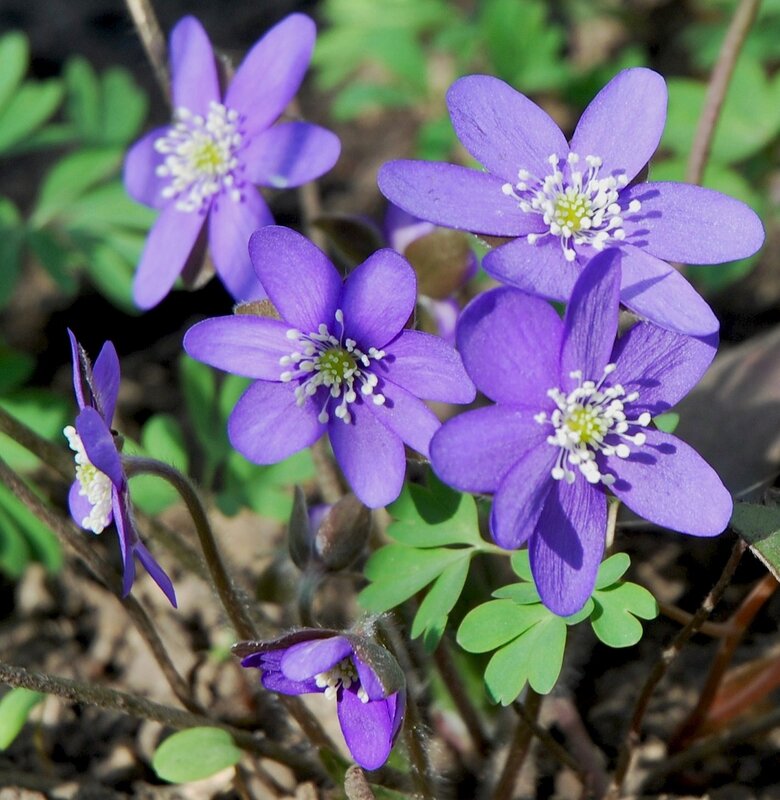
[[338, 361], [100, 493], [572, 418], [204, 164], [364, 679], [566, 201]]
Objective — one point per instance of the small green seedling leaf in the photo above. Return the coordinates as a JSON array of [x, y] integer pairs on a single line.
[[520, 593], [759, 526], [195, 754], [667, 422], [15, 708], [14, 56]]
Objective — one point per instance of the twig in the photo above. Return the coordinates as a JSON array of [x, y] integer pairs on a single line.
[[75, 540], [356, 785], [518, 750], [148, 28], [738, 624], [236, 610], [457, 691], [662, 665], [738, 30], [136, 706], [716, 630]]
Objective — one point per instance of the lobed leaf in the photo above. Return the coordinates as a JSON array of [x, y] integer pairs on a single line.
[[441, 597], [495, 623]]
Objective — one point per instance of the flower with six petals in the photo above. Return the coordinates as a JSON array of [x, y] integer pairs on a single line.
[[202, 170], [338, 361], [572, 419], [564, 202]]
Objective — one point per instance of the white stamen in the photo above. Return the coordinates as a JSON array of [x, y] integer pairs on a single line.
[[93, 484], [342, 674], [589, 420], [200, 157], [579, 207], [334, 363]]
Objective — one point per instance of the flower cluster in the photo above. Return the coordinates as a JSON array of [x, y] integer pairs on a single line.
[[100, 495], [204, 167]]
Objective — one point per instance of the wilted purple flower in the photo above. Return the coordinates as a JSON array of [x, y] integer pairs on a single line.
[[566, 201], [364, 679], [100, 493], [205, 164], [338, 360], [403, 229], [572, 418]]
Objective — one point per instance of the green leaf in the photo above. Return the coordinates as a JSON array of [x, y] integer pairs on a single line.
[[55, 256], [14, 552], [397, 572], [15, 708], [11, 242], [161, 438], [614, 618], [40, 409], [27, 110], [15, 368], [71, 177], [123, 107], [107, 207], [111, 273], [521, 564], [434, 516], [535, 657], [40, 542], [612, 570], [194, 754], [521, 593], [359, 98], [582, 614], [199, 385], [759, 526], [14, 57], [82, 104], [495, 623], [667, 422], [441, 597]]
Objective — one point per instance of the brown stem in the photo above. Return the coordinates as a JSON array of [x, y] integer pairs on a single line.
[[76, 541], [236, 609], [716, 630], [150, 33], [90, 694], [457, 691], [738, 30], [356, 786], [662, 665], [328, 478], [518, 749], [738, 624]]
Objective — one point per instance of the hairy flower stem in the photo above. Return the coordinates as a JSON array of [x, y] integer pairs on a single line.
[[234, 606], [75, 540], [518, 749], [90, 694], [328, 478], [150, 33], [738, 30], [662, 666]]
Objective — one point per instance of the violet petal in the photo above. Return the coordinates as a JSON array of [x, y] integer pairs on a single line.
[[667, 482], [167, 249], [406, 416], [455, 197], [267, 425], [231, 223], [290, 154], [567, 545], [503, 129], [307, 659], [194, 79], [623, 123], [244, 345], [298, 277], [271, 73], [475, 450], [367, 729], [139, 175], [105, 381], [99, 445], [156, 572]]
